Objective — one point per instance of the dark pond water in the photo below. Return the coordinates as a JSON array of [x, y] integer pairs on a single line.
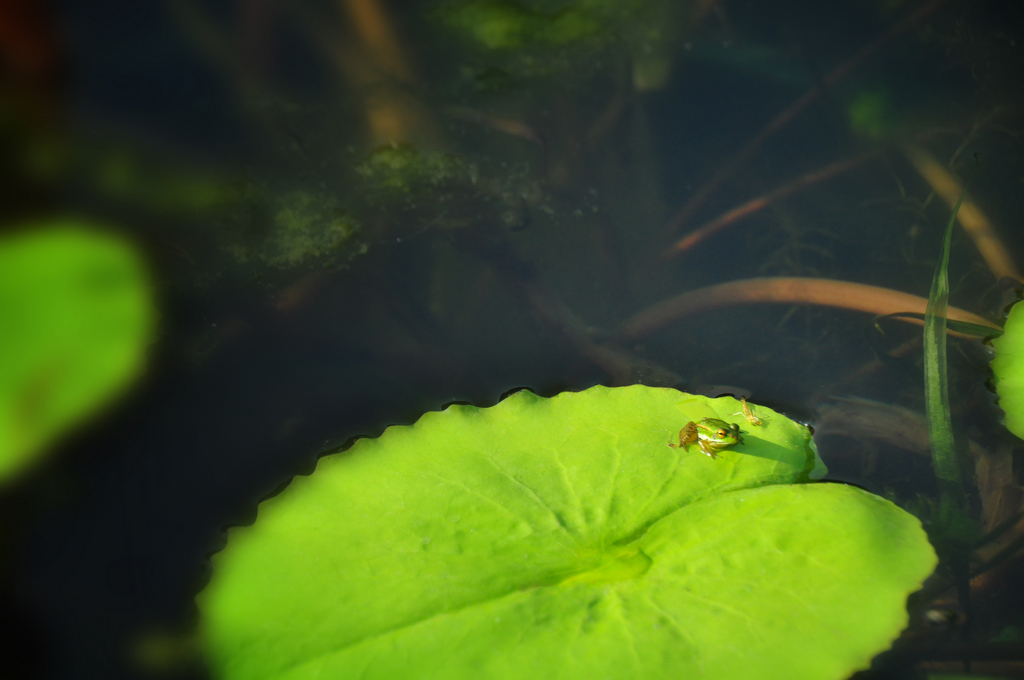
[[353, 218]]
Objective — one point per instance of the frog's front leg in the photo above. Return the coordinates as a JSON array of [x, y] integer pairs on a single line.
[[707, 448]]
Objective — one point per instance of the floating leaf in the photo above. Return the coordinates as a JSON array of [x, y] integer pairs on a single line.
[[565, 538], [1008, 367], [76, 316]]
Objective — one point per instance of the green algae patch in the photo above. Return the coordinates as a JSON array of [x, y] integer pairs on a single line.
[[564, 537], [505, 25], [76, 317], [1008, 367], [397, 171]]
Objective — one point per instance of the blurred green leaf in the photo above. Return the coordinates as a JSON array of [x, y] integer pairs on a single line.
[[871, 115], [76, 316], [565, 538], [1008, 367]]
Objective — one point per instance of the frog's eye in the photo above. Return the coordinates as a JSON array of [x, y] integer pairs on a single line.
[[721, 432]]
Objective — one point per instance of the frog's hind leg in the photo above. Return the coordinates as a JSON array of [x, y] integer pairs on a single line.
[[687, 435]]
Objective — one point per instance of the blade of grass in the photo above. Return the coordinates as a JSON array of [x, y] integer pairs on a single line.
[[953, 548], [936, 380]]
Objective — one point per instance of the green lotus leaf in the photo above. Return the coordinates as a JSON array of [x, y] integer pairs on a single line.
[[565, 538], [76, 316], [1008, 367]]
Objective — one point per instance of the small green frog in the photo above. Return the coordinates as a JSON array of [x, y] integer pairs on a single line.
[[711, 434]]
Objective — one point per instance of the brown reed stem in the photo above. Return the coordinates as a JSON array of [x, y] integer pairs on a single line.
[[783, 290], [971, 218], [752, 206]]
